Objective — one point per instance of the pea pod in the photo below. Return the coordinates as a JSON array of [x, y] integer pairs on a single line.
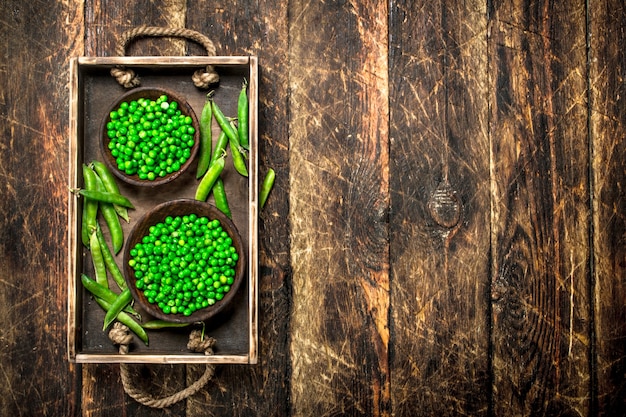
[[111, 218], [97, 260], [110, 185], [219, 194], [106, 197], [204, 188], [266, 187], [162, 324], [242, 117], [206, 139], [126, 320], [90, 207], [238, 161], [103, 293], [117, 306], [220, 147], [109, 261], [225, 124]]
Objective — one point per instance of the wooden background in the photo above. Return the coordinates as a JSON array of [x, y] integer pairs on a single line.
[[446, 233]]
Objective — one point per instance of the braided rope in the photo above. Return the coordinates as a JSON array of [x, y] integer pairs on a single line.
[[201, 78], [121, 336]]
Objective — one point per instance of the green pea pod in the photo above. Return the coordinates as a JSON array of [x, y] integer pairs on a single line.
[[225, 124], [162, 324], [242, 117], [110, 184], [206, 184], [238, 161], [126, 320], [104, 293], [90, 207], [206, 139], [106, 197], [109, 261], [220, 147], [266, 187], [219, 194], [112, 219], [98, 260], [117, 306]]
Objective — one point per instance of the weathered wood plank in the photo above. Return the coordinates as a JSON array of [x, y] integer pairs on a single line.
[[495, 154], [104, 23], [106, 20], [607, 58], [440, 208], [257, 28], [36, 376], [539, 145], [338, 207]]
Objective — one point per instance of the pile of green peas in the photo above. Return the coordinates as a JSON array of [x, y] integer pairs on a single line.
[[150, 138], [184, 263]]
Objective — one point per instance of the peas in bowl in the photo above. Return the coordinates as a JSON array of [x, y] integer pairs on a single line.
[[150, 136], [184, 261]]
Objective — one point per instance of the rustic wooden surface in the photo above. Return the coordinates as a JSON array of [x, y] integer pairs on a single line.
[[446, 235]]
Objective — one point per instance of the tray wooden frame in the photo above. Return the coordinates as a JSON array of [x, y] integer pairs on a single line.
[[78, 67]]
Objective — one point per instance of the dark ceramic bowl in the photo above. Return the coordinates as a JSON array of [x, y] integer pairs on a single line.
[[174, 208], [151, 93]]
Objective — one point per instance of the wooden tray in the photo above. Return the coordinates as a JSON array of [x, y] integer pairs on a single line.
[[92, 90]]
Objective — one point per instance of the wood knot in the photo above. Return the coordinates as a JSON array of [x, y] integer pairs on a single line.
[[444, 206]]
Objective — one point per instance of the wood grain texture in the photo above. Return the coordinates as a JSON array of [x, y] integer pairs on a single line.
[[258, 28], [106, 20], [338, 208], [440, 208], [607, 58], [445, 236], [539, 145], [104, 23], [36, 378]]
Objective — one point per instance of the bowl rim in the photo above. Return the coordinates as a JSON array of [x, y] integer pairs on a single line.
[[181, 207], [149, 92]]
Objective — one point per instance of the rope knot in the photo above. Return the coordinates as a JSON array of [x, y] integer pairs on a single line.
[[199, 344], [204, 78], [120, 334], [126, 77]]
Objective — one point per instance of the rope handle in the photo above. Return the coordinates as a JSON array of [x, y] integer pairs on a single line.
[[120, 335], [126, 77]]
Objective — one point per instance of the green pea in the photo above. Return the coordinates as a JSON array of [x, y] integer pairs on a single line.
[[179, 283], [146, 125]]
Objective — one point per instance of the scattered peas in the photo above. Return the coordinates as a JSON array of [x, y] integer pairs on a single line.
[[184, 263], [150, 138]]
